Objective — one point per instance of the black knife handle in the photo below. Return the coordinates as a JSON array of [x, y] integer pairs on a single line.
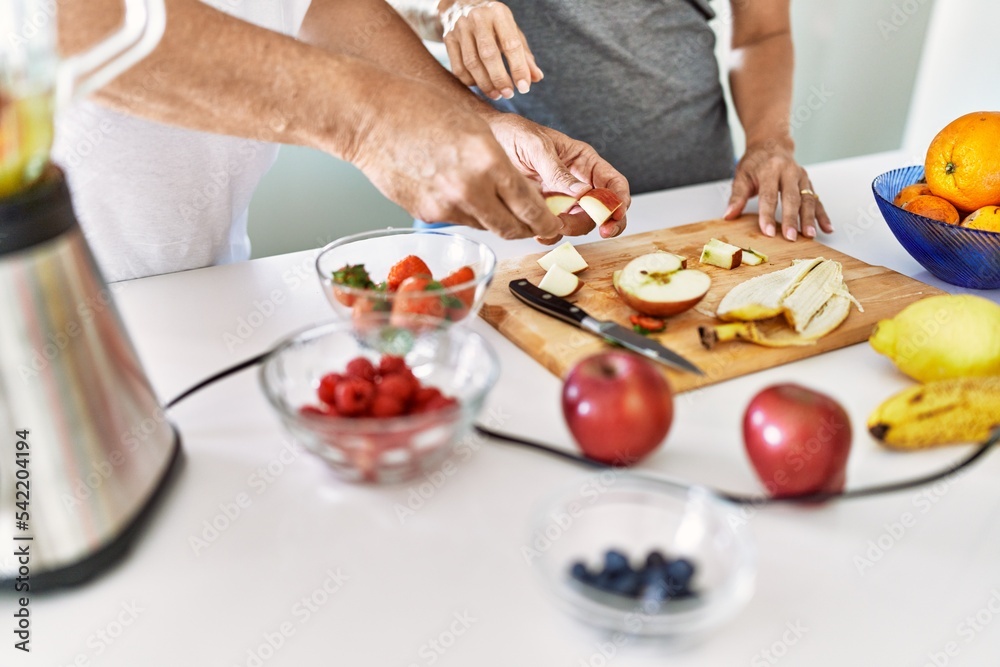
[[538, 298]]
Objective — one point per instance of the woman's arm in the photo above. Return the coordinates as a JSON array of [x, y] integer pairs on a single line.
[[761, 82]]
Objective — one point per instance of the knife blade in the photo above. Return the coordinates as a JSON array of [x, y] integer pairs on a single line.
[[562, 309]]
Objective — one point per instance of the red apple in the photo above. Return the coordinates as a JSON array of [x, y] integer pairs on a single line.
[[618, 406], [599, 204], [798, 440]]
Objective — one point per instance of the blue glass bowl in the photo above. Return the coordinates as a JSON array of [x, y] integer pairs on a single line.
[[957, 255]]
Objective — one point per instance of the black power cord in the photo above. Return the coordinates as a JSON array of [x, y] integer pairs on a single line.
[[809, 498]]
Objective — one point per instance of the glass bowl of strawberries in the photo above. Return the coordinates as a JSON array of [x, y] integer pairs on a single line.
[[381, 399], [405, 272]]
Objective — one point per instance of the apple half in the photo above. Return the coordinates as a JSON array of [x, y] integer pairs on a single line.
[[599, 204], [560, 282], [566, 256], [655, 284]]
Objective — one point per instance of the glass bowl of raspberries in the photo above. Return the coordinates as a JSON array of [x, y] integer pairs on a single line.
[[380, 401], [405, 272], [643, 557]]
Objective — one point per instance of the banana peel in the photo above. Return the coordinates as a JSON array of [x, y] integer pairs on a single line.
[[795, 306], [943, 412]]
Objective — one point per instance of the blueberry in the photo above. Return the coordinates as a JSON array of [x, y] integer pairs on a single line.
[[615, 562], [627, 583], [655, 559], [580, 572], [680, 570], [679, 573], [656, 590], [604, 581]]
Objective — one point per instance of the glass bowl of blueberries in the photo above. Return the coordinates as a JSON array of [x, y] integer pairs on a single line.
[[642, 556]]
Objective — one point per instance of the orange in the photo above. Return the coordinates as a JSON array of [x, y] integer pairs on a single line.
[[987, 217], [911, 191], [930, 206], [963, 161]]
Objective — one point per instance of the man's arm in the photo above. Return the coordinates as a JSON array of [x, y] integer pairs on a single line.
[[218, 74], [423, 16], [761, 82], [560, 163]]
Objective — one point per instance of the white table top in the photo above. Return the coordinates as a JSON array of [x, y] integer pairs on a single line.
[[401, 586]]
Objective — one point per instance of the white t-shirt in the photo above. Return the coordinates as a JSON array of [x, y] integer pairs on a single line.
[[153, 198]]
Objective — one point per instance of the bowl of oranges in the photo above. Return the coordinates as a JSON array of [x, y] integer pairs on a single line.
[[946, 213]]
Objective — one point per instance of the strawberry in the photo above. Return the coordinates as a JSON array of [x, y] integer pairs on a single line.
[[408, 267], [646, 324], [361, 367], [460, 277], [410, 300], [327, 384], [351, 275], [353, 396]]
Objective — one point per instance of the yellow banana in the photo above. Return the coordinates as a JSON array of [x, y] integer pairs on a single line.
[[938, 413]]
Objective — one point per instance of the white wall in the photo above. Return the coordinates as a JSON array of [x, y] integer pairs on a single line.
[[856, 61]]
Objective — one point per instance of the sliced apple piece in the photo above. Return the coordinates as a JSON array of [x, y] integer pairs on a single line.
[[655, 284], [566, 256], [721, 254], [599, 204], [559, 203], [560, 282], [752, 257]]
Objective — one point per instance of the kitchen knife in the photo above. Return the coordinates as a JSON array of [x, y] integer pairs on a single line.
[[562, 309]]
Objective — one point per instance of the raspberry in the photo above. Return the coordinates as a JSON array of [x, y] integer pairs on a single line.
[[399, 385], [317, 411], [327, 384], [353, 396], [361, 367], [387, 405], [425, 395], [439, 402], [390, 363]]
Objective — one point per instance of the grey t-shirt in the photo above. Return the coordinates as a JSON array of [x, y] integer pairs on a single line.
[[636, 79]]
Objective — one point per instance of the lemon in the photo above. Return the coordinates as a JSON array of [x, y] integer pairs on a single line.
[[942, 337]]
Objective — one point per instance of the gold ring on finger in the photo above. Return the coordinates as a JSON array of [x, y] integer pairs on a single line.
[[807, 191]]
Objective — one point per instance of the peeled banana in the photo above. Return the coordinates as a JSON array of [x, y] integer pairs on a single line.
[[794, 306], [938, 413]]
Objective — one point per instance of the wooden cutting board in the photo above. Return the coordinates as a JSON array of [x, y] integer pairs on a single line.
[[558, 346]]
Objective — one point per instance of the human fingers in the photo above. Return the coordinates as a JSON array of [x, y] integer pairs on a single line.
[[488, 46], [526, 204], [515, 49], [473, 63], [455, 58], [741, 192]]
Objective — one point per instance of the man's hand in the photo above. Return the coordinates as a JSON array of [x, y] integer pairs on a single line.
[[479, 34], [564, 165], [770, 171], [442, 164]]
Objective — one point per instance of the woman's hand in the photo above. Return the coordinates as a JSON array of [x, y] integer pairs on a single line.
[[770, 171], [479, 34]]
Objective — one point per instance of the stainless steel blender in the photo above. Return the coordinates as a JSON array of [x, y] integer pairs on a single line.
[[85, 447]]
